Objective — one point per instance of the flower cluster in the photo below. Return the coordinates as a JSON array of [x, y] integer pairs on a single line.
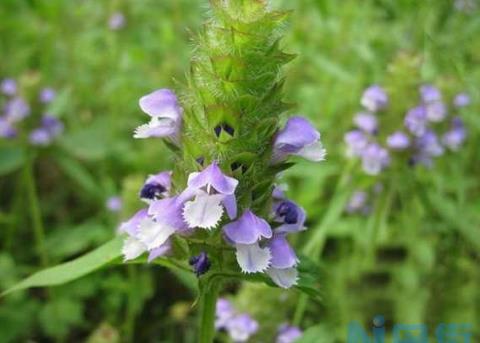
[[209, 200], [419, 139], [239, 326], [16, 109]]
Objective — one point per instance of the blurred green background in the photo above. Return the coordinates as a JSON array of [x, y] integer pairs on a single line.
[[426, 269]]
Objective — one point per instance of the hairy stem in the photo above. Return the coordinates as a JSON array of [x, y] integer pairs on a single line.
[[35, 213], [208, 302]]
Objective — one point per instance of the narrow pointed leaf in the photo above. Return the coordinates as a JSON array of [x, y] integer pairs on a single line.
[[72, 270]]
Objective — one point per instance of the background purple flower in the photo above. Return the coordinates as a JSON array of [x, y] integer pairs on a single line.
[[288, 334], [398, 141], [461, 100], [356, 142], [430, 93], [6, 129], [436, 111], [455, 136], [374, 98], [47, 95], [40, 137], [357, 202], [116, 21], [8, 87], [16, 109], [114, 204], [374, 159], [367, 122], [416, 120]]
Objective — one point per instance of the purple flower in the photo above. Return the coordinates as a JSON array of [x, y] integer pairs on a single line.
[[282, 269], [366, 122], [6, 128], [290, 215], [239, 326], [430, 93], [455, 137], [52, 125], [356, 142], [40, 137], [357, 202], [245, 233], [212, 191], [166, 115], [461, 100], [429, 145], [16, 109], [47, 95], [374, 159], [288, 334], [299, 138], [8, 87], [114, 204], [116, 21], [165, 219], [278, 192], [416, 120], [133, 245], [374, 98], [436, 111], [398, 141], [200, 263], [156, 186]]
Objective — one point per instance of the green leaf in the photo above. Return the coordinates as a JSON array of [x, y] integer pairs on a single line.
[[78, 173], [72, 270], [11, 158]]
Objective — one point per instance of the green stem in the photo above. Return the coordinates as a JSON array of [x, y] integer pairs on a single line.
[[35, 213], [208, 303]]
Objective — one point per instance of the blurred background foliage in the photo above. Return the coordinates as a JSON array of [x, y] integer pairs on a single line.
[[420, 265]]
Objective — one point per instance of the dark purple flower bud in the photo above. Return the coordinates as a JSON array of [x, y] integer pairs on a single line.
[[398, 141], [366, 122], [416, 120], [200, 263], [47, 95], [430, 93], [374, 98], [461, 100], [8, 87]]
